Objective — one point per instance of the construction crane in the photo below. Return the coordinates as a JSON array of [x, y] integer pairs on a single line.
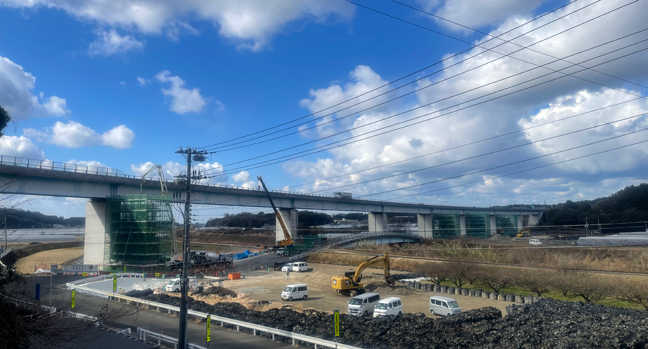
[[287, 241], [349, 284], [163, 186]]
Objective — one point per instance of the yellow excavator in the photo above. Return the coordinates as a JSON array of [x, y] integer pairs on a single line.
[[349, 284], [287, 241], [524, 233]]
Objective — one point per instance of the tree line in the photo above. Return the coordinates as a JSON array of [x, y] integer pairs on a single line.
[[305, 219]]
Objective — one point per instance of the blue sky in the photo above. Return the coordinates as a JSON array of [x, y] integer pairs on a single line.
[[125, 83]]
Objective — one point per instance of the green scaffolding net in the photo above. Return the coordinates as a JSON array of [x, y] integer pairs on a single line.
[[445, 226], [478, 225], [139, 231], [507, 224]]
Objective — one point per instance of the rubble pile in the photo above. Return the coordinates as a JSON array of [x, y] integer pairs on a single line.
[[214, 290], [545, 324]]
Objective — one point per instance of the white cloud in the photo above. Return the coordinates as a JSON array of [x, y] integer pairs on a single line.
[[249, 24], [76, 135], [122, 84], [476, 14], [242, 176], [56, 106], [16, 96], [141, 81], [21, 147], [119, 137], [111, 43], [183, 100], [563, 97]]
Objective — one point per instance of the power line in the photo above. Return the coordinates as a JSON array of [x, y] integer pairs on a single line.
[[516, 172], [287, 157], [480, 155], [220, 149], [387, 84]]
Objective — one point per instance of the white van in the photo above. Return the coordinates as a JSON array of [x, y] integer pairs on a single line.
[[363, 304], [444, 306], [389, 306], [299, 291], [300, 266], [173, 285], [288, 266], [535, 242]]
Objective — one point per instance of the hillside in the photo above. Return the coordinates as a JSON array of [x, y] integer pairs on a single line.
[[17, 219], [627, 205]]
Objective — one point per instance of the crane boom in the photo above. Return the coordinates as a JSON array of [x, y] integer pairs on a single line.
[[287, 239], [163, 186]]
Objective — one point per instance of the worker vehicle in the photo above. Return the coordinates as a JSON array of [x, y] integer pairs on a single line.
[[173, 285], [292, 292], [349, 283], [444, 306], [343, 195], [389, 306], [364, 304], [535, 242], [524, 233], [287, 241], [287, 267], [300, 266], [278, 266]]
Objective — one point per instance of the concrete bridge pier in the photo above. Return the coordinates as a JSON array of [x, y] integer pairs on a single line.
[[424, 225], [289, 216], [95, 232], [493, 225], [462, 225], [377, 222]]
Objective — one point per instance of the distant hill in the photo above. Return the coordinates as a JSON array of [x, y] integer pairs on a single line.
[[627, 205], [17, 219]]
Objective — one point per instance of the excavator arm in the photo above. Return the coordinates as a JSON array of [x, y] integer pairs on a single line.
[[287, 239], [372, 261]]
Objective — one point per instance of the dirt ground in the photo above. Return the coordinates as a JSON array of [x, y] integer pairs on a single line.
[[267, 286], [45, 259]]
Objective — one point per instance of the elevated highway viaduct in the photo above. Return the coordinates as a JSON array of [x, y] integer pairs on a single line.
[[47, 178]]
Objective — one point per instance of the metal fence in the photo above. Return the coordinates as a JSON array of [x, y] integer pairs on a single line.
[[256, 329]]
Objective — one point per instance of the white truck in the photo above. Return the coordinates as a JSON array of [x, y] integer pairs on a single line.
[[343, 195], [173, 285]]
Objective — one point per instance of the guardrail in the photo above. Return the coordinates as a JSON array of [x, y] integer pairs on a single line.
[[144, 335], [317, 342], [351, 238]]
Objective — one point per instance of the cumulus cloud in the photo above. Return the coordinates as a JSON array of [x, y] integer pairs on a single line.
[[56, 106], [249, 24], [141, 81], [21, 147], [476, 14], [111, 43], [75, 135], [16, 96], [428, 142], [183, 100]]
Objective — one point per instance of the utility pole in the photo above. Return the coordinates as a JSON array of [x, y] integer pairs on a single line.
[[198, 156]]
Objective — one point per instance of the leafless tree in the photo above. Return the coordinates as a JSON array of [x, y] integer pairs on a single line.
[[437, 272], [459, 273], [633, 291], [536, 281], [497, 278], [563, 281], [591, 287]]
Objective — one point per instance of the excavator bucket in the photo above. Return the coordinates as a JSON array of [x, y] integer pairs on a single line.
[[390, 280]]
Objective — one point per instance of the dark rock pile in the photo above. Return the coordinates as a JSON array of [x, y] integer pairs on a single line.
[[215, 290], [138, 293], [545, 324]]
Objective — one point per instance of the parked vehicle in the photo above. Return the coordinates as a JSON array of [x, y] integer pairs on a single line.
[[286, 267], [343, 195], [535, 242], [300, 266], [444, 306], [173, 285], [363, 304], [291, 292], [280, 250], [389, 306]]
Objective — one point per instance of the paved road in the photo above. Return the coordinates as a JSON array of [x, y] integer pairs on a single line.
[[150, 320]]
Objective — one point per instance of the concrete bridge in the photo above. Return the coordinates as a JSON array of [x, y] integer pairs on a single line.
[[48, 178]]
